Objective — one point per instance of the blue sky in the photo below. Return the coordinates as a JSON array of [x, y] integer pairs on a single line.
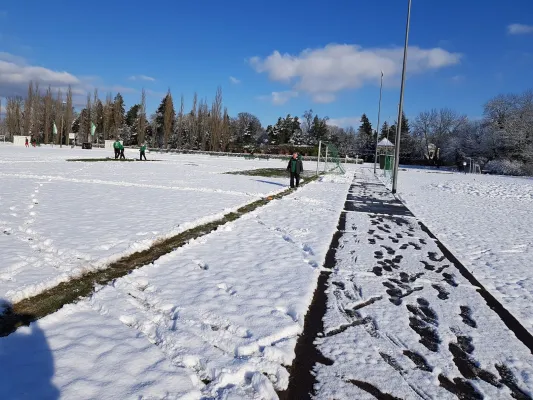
[[461, 52]]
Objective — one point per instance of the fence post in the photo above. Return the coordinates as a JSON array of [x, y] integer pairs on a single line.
[[318, 158]]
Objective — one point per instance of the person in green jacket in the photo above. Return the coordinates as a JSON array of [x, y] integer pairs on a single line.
[[121, 148], [116, 146], [295, 168], [143, 150]]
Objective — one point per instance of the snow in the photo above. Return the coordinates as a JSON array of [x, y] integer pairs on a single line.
[[487, 222], [59, 219], [217, 318], [394, 298]]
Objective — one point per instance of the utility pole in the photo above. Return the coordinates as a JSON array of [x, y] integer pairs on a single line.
[[379, 116], [400, 109]]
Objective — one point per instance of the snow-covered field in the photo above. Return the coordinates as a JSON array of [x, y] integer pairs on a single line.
[[217, 318], [60, 218], [487, 222]]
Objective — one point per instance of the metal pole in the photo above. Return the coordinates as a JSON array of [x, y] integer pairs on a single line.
[[318, 158], [400, 110], [379, 117]]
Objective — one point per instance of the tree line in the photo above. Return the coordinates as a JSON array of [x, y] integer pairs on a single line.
[[501, 141]]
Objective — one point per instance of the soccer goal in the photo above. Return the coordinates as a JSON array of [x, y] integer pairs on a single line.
[[329, 160]]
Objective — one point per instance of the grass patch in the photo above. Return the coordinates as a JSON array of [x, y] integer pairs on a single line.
[[267, 172], [105, 159], [51, 300], [99, 159]]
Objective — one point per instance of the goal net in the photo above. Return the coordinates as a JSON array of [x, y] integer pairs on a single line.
[[329, 160]]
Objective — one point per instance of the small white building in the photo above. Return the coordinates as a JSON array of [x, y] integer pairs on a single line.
[[20, 140]]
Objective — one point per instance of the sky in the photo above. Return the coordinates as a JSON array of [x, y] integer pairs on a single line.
[[273, 58]]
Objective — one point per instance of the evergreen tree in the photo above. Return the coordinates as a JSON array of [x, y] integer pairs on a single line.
[[296, 136], [132, 115], [166, 108], [384, 131], [118, 114], [406, 141], [392, 133], [365, 135], [318, 130]]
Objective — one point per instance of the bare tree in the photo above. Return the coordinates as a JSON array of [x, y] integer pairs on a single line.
[[28, 104], [69, 112], [14, 122], [108, 115], [202, 123], [180, 125], [216, 121], [436, 127], [47, 114], [193, 124], [225, 136], [59, 117]]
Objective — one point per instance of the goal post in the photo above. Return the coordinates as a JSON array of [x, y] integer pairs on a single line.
[[329, 155]]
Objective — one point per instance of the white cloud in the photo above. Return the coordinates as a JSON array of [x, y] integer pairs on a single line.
[[325, 71], [344, 122], [234, 80], [16, 73], [141, 78], [280, 98], [458, 78], [519, 29]]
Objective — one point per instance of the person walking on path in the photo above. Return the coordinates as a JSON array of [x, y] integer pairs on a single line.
[[116, 146], [143, 152], [295, 168], [27, 143], [121, 149]]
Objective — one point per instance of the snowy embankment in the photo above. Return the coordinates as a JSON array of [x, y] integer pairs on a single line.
[[59, 219], [487, 222], [220, 315]]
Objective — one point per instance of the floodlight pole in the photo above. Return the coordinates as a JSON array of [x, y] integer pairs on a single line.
[[379, 117], [400, 109]]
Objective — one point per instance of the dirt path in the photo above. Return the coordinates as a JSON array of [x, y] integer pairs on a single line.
[[398, 317]]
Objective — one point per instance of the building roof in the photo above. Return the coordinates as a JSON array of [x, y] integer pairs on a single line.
[[385, 143]]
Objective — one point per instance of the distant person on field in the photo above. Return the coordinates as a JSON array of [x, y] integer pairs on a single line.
[[121, 149], [295, 168], [116, 146], [27, 143], [143, 150]]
